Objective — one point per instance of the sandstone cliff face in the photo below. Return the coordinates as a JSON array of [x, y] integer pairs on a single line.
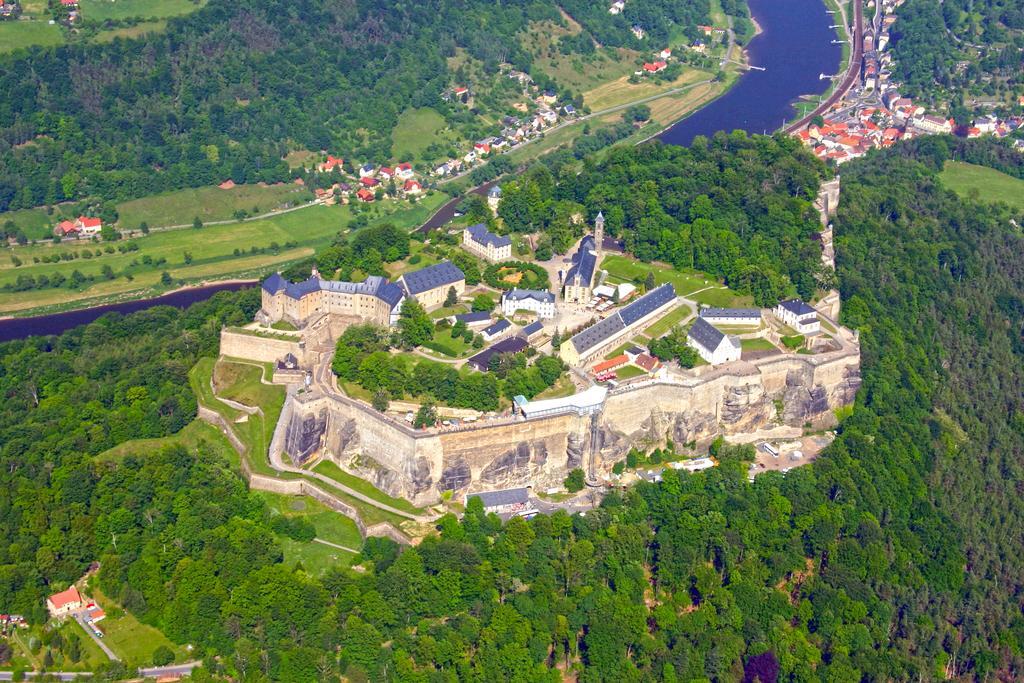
[[420, 466]]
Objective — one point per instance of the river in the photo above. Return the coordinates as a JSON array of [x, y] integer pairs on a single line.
[[55, 323], [794, 46]]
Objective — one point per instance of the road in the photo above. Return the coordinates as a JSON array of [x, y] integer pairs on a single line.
[[80, 618], [59, 675], [852, 71]]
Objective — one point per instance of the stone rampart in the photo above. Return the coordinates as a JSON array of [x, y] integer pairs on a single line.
[[264, 349], [736, 398]]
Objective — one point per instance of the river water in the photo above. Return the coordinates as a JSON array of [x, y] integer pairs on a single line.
[[794, 46]]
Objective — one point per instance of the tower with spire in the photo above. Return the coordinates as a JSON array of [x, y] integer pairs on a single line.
[[599, 235]]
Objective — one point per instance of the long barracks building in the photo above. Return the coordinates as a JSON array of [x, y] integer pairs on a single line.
[[373, 300], [617, 327]]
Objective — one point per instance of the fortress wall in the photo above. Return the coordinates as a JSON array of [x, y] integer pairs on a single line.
[[262, 349], [739, 398]]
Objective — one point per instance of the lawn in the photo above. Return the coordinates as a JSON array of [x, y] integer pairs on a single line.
[[629, 372], [330, 526], [35, 223], [101, 10], [668, 321], [416, 130], [134, 31], [216, 252], [623, 268], [757, 344], [443, 343], [15, 35], [621, 91], [211, 203], [989, 184], [723, 297], [129, 638], [331, 470]]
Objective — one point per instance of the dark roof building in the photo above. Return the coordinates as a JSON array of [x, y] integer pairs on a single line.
[[482, 360], [584, 261], [374, 285], [481, 235], [797, 307], [539, 295], [738, 314], [474, 318], [500, 500], [597, 335], [497, 328], [532, 329], [705, 334], [438, 275]]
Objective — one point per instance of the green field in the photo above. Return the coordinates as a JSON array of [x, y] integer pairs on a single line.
[[627, 269], [668, 321], [330, 526], [133, 31], [15, 35], [366, 488], [416, 130], [212, 248], [988, 184], [102, 10], [35, 223], [130, 639], [443, 343], [629, 372], [757, 344], [194, 435], [208, 203]]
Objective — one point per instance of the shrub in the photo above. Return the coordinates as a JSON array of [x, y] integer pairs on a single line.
[[575, 481], [793, 341]]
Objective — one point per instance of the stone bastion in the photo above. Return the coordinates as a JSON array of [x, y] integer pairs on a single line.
[[692, 407]]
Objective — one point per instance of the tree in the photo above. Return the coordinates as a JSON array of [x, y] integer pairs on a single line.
[[575, 481], [478, 341], [452, 298], [649, 282], [165, 278], [426, 416], [483, 303], [162, 656], [414, 323], [187, 257], [381, 400], [144, 227], [197, 223]]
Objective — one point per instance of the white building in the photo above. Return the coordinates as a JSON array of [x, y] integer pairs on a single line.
[[477, 239], [732, 316], [712, 345], [538, 301], [799, 316]]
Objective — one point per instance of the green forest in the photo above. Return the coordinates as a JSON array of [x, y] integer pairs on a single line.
[[954, 52], [735, 206], [894, 556], [229, 90]]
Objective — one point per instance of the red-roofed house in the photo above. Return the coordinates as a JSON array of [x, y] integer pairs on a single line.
[[369, 182], [647, 362], [95, 612], [653, 68], [329, 165], [64, 602], [385, 172], [404, 171], [227, 184], [69, 3], [89, 226], [412, 187], [666, 53], [610, 364], [482, 148], [973, 132], [365, 195], [66, 229]]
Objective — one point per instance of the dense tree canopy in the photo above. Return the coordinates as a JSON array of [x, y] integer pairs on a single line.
[[895, 556], [735, 206]]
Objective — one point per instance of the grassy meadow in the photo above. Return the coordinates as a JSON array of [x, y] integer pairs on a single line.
[[210, 203], [102, 10], [15, 35], [243, 249], [416, 130], [989, 184]]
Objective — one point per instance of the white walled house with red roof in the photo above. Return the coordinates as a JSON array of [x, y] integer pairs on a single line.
[[405, 171], [64, 603]]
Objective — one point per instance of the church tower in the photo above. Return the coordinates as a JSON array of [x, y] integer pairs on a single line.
[[599, 236]]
